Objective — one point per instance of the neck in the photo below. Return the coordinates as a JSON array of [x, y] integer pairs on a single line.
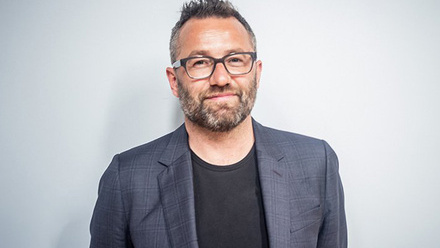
[[221, 148]]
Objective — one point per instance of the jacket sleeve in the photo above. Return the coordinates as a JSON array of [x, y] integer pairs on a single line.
[[109, 226], [333, 232]]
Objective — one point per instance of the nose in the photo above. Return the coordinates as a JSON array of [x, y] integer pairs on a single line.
[[220, 76]]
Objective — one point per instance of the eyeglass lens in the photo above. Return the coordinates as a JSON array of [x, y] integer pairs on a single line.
[[236, 64]]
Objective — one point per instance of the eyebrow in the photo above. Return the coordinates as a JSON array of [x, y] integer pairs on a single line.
[[206, 52]]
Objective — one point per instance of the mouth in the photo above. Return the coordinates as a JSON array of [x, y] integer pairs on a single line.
[[221, 96]]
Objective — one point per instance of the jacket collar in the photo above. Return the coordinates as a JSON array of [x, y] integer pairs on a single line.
[[177, 146]]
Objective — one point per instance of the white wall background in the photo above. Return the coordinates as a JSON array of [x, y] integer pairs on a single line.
[[83, 80]]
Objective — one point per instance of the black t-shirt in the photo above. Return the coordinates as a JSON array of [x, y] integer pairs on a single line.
[[228, 204]]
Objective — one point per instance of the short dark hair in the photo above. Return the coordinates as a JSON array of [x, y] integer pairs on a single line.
[[202, 9]]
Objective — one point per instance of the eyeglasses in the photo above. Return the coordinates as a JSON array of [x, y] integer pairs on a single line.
[[200, 67]]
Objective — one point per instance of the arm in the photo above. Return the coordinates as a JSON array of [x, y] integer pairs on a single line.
[[109, 226], [333, 232]]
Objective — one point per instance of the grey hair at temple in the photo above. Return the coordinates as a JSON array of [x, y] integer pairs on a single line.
[[202, 9]]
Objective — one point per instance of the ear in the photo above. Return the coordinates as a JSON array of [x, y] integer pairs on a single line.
[[172, 79], [259, 68]]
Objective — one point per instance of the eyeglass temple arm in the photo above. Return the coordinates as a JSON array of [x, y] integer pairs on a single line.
[[177, 64]]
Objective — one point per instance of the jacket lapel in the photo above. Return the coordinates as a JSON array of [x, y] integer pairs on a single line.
[[176, 191], [274, 186]]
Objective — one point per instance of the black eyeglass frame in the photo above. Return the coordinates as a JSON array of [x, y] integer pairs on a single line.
[[182, 62]]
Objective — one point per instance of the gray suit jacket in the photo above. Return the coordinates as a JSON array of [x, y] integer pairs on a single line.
[[146, 196]]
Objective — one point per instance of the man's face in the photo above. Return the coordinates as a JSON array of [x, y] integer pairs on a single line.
[[221, 102]]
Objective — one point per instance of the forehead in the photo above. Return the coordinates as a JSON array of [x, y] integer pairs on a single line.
[[213, 36]]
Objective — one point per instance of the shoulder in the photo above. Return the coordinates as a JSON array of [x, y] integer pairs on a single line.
[[293, 146], [138, 165], [289, 140], [286, 136], [151, 149], [144, 157], [303, 154]]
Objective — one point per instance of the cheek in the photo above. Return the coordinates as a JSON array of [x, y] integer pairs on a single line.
[[195, 92], [245, 84]]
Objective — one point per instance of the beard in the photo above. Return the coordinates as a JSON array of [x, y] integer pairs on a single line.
[[218, 116]]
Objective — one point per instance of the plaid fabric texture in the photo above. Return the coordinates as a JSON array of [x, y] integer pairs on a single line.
[[146, 196]]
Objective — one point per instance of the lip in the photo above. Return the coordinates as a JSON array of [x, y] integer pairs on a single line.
[[221, 96]]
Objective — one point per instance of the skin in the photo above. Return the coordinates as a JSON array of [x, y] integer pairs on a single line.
[[216, 37]]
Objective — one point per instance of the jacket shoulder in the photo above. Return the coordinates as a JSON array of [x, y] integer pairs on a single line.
[[286, 138], [138, 164], [294, 145], [290, 136], [151, 149]]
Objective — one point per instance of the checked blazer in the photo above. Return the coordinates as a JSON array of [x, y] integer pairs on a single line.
[[146, 196]]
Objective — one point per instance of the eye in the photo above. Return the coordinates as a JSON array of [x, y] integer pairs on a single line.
[[199, 62], [235, 60]]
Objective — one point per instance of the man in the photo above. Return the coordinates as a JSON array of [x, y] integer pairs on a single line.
[[221, 179]]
